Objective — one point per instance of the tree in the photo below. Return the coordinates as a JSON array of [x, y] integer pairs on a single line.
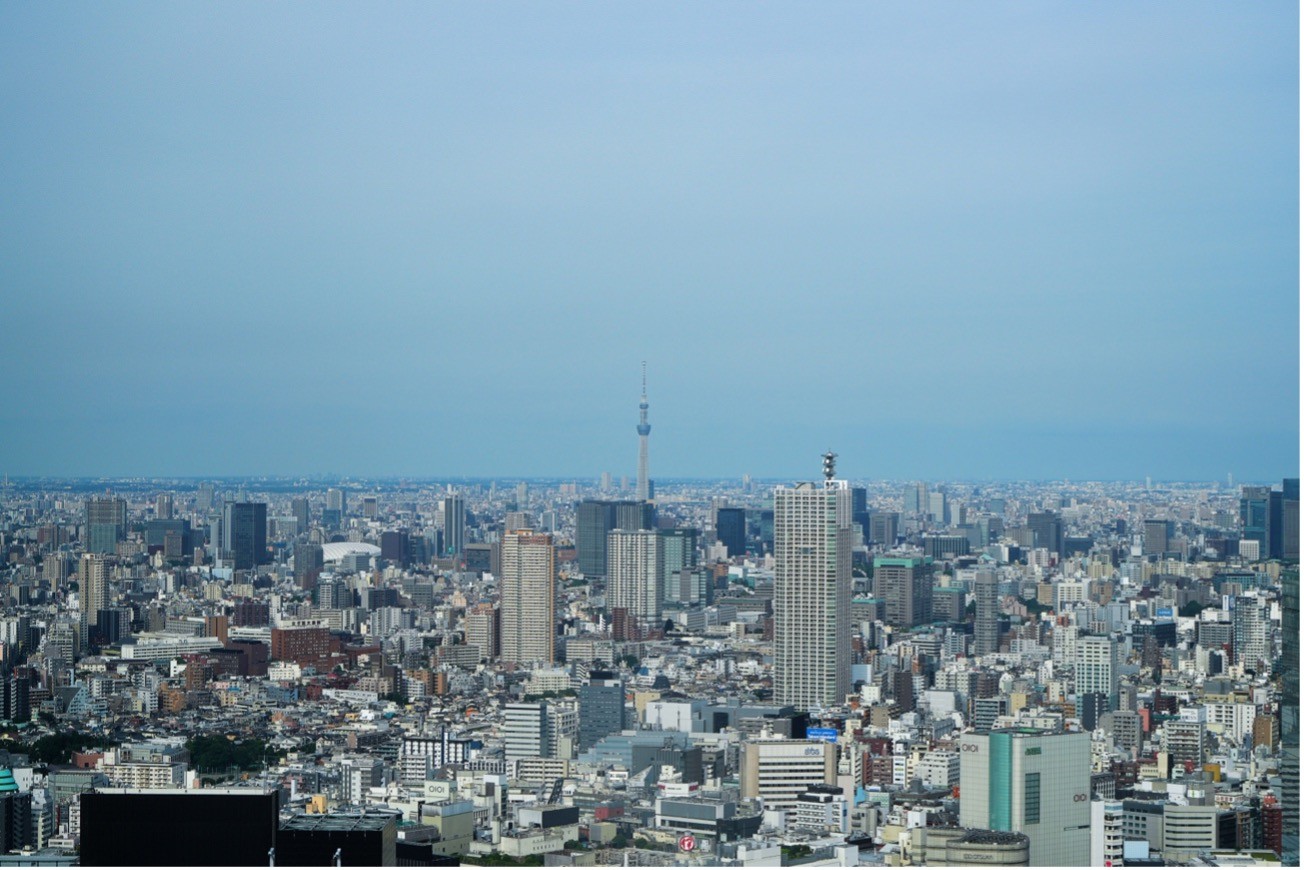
[[1192, 608]]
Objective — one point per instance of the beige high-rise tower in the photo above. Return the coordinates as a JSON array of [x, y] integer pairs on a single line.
[[812, 592], [528, 592], [92, 579]]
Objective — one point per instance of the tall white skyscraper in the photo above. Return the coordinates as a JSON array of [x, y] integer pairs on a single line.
[[634, 573], [812, 592], [1095, 669], [527, 605]]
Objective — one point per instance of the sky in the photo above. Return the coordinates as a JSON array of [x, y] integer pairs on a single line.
[[947, 240]]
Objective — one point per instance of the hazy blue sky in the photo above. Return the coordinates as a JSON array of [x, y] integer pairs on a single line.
[[1024, 240]]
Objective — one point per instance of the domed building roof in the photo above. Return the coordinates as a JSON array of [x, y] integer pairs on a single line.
[[7, 783]]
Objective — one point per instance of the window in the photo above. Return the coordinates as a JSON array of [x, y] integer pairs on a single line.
[[1031, 798]]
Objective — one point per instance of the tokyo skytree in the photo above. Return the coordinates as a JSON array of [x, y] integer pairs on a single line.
[[643, 429]]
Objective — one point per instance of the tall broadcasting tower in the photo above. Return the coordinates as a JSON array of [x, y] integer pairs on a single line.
[[643, 429]]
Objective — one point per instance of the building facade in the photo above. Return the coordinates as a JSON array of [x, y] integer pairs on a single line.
[[812, 594], [1032, 782], [528, 597]]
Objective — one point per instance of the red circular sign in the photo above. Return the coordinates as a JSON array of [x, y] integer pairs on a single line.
[[687, 843]]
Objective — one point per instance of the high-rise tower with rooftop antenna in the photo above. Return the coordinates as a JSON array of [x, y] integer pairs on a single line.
[[644, 491]]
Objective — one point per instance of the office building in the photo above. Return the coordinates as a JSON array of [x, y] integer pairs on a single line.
[[594, 520], [915, 499], [602, 708], [106, 524], [1035, 783], [1047, 531], [177, 828], [780, 771], [244, 534], [1096, 668], [986, 626], [731, 530], [860, 511], [905, 585], [812, 592], [1290, 519], [1157, 533], [308, 646], [454, 525], [883, 526], [634, 573], [939, 509], [1256, 517], [309, 562], [678, 553], [299, 510], [335, 501], [1289, 716], [528, 596], [525, 731]]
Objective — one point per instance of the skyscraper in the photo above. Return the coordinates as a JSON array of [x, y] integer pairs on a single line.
[[731, 530], [1290, 519], [1289, 715], [678, 551], [634, 573], [986, 634], [299, 507], [244, 533], [1047, 531], [454, 525], [906, 586], [914, 499], [92, 580], [595, 519], [1157, 533], [1096, 668], [812, 592], [644, 428], [1256, 517], [529, 592], [106, 524]]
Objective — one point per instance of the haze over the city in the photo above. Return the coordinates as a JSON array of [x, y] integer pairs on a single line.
[[953, 241]]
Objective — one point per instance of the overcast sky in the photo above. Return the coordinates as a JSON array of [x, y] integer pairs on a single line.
[[964, 240]]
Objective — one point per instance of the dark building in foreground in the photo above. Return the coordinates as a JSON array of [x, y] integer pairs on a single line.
[[175, 827], [362, 840]]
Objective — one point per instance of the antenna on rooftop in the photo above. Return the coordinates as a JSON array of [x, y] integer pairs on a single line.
[[829, 459]]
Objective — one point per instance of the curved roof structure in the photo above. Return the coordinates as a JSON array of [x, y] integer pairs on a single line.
[[337, 551]]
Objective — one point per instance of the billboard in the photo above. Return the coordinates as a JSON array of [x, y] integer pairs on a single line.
[[828, 735]]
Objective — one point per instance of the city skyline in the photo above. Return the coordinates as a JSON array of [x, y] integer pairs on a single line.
[[1050, 242]]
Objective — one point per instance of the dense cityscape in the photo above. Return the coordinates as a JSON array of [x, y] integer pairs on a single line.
[[612, 671], [950, 519]]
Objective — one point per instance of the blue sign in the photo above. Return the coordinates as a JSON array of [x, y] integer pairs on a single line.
[[1164, 612], [828, 735]]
